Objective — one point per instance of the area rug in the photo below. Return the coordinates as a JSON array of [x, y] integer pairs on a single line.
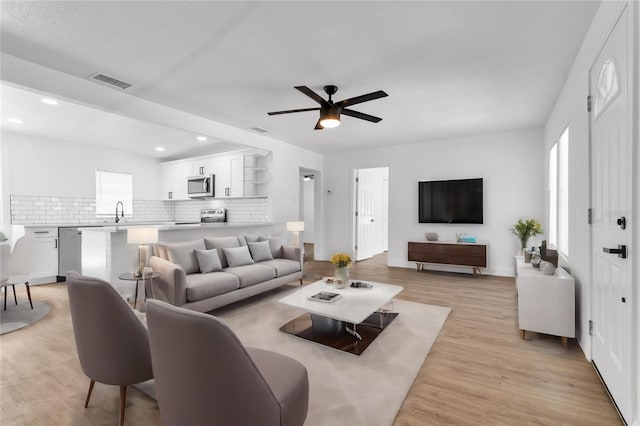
[[344, 389], [20, 315]]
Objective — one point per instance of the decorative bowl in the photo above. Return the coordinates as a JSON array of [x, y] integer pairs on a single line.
[[431, 236]]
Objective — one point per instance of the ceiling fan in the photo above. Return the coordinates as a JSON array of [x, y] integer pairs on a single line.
[[330, 111]]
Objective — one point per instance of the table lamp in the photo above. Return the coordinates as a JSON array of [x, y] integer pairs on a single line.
[[142, 237], [295, 227]]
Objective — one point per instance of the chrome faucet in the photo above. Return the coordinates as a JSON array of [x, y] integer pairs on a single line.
[[119, 203]]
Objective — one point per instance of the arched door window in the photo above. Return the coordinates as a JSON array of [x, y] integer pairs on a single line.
[[608, 87]]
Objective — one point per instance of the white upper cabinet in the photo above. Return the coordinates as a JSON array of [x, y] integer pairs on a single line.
[[230, 176], [237, 175], [174, 181]]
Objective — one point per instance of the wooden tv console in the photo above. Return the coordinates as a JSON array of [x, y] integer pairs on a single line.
[[448, 253]]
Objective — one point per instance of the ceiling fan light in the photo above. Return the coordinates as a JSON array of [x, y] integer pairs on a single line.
[[330, 122]]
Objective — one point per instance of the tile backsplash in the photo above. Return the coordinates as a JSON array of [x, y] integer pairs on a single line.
[[27, 209]]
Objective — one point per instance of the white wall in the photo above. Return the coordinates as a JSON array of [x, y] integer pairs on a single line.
[[510, 164], [308, 210], [49, 167], [570, 109]]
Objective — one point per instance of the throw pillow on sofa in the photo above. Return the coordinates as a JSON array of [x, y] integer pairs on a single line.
[[238, 256], [276, 245], [208, 260], [183, 254], [221, 243], [260, 251]]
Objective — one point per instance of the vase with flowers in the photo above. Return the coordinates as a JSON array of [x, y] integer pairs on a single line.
[[525, 229], [341, 261]]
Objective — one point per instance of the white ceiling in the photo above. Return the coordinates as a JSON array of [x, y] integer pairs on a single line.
[[73, 122], [450, 68]]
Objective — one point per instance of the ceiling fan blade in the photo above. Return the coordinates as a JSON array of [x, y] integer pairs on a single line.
[[360, 115], [310, 93], [318, 126], [363, 98], [289, 111]]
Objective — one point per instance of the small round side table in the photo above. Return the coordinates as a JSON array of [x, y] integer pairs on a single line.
[[130, 277]]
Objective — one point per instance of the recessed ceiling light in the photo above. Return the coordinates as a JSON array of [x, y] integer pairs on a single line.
[[15, 121], [201, 138], [49, 101], [159, 148]]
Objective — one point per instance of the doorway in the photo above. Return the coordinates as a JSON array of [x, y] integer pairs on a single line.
[[309, 192], [611, 230], [371, 212]]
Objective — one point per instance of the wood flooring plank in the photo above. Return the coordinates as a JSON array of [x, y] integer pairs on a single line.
[[478, 372]]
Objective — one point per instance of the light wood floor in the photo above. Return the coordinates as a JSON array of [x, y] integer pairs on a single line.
[[479, 371]]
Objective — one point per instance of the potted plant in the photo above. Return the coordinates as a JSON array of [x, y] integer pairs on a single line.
[[525, 229], [342, 261]]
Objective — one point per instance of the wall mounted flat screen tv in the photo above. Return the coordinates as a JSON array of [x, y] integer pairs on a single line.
[[450, 201]]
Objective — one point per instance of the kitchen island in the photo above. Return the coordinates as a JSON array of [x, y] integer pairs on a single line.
[[106, 253]]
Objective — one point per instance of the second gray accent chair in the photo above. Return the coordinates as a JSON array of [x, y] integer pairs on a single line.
[[205, 376], [112, 342]]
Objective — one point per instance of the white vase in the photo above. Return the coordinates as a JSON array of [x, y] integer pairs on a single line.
[[342, 276]]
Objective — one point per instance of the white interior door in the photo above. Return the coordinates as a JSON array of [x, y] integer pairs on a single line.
[[365, 218], [611, 195], [370, 216]]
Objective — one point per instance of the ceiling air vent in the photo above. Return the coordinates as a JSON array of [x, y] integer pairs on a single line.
[[258, 129], [110, 81]]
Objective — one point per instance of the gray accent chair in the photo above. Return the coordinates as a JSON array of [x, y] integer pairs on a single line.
[[112, 342], [205, 376]]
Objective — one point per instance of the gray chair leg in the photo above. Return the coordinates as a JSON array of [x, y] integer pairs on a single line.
[[6, 289], [86, 403], [28, 294], [15, 298]]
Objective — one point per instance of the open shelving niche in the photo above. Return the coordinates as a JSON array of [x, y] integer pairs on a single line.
[[257, 176]]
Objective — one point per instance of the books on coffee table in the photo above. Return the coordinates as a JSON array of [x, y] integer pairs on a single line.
[[325, 296]]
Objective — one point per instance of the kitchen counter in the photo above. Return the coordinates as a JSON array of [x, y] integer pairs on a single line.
[[170, 226]]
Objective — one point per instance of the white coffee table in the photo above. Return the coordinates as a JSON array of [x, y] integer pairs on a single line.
[[350, 323]]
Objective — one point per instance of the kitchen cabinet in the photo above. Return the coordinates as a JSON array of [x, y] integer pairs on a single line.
[[229, 176], [204, 167], [174, 181], [44, 268]]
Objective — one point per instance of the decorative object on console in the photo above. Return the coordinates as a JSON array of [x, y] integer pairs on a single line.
[[342, 261], [142, 237], [549, 269], [296, 228], [431, 236], [525, 229], [464, 238], [548, 254], [535, 260]]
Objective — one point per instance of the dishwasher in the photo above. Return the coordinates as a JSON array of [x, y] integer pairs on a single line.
[[69, 251]]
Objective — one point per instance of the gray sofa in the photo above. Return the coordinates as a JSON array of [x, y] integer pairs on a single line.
[[236, 277]]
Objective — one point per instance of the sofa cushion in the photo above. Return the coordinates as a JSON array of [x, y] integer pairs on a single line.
[[208, 261], [220, 243], [282, 266], [183, 254], [204, 286], [238, 256], [260, 251], [252, 274], [276, 245]]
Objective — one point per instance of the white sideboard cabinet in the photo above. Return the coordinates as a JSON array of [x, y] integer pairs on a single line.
[[546, 303]]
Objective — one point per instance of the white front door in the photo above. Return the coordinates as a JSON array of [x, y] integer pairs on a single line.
[[611, 195]]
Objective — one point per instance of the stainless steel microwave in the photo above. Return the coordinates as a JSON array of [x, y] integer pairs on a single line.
[[201, 186]]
